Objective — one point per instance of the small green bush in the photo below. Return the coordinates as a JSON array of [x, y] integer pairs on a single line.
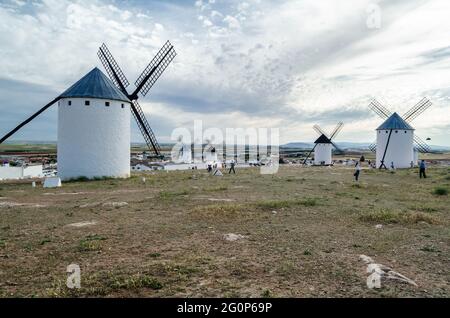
[[91, 243], [440, 191]]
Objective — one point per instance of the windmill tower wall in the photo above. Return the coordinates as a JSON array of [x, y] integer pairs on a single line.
[[94, 139], [322, 154], [400, 148]]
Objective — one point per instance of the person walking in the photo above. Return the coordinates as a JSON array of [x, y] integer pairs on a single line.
[[422, 169], [357, 170], [232, 167]]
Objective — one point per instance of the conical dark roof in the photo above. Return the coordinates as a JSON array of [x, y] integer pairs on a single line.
[[323, 140], [95, 84], [395, 122]]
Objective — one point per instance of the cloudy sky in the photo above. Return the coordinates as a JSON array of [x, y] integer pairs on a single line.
[[252, 63]]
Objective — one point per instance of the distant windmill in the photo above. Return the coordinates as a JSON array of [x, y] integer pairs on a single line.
[[143, 84], [209, 152], [182, 152], [323, 146], [395, 137]]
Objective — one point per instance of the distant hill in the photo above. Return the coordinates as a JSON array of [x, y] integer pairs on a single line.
[[349, 145], [296, 145], [301, 145]]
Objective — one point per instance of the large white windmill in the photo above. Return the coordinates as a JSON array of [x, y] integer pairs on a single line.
[[324, 145], [94, 119], [396, 140]]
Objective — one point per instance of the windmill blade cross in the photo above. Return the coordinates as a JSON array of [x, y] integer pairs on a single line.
[[113, 69], [417, 109], [337, 130], [379, 109], [373, 147], [320, 131], [155, 69]]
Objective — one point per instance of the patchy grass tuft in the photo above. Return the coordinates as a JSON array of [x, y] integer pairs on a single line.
[[46, 240], [279, 204], [266, 294], [167, 195], [220, 210], [387, 216], [136, 282], [440, 191], [91, 243], [430, 248]]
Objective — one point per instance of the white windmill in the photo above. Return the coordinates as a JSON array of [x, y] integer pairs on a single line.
[[396, 141], [182, 152], [94, 119], [210, 153], [324, 146]]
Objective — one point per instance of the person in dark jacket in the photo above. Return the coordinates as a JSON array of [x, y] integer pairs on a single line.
[[422, 169], [232, 167]]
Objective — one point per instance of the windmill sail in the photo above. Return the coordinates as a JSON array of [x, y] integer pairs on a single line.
[[309, 154], [421, 145], [320, 131], [143, 84], [418, 109], [12, 132], [144, 127], [155, 69], [112, 68], [379, 109]]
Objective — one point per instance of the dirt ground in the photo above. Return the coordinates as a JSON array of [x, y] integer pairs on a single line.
[[298, 233]]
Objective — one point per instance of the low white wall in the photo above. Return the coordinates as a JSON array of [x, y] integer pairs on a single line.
[[33, 172], [8, 172]]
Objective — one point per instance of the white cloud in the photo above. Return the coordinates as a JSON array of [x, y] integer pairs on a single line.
[[232, 22], [285, 63]]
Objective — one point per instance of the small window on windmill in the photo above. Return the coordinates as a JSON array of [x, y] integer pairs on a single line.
[[107, 104], [87, 103], [405, 131], [69, 103], [396, 131], [123, 105], [387, 131]]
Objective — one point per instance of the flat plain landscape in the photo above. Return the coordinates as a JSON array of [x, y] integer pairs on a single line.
[[298, 233]]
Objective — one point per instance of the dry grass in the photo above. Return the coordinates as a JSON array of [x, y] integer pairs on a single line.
[[404, 217], [302, 231]]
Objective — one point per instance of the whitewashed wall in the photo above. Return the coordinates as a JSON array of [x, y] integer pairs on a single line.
[[322, 153], [400, 148], [93, 141]]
